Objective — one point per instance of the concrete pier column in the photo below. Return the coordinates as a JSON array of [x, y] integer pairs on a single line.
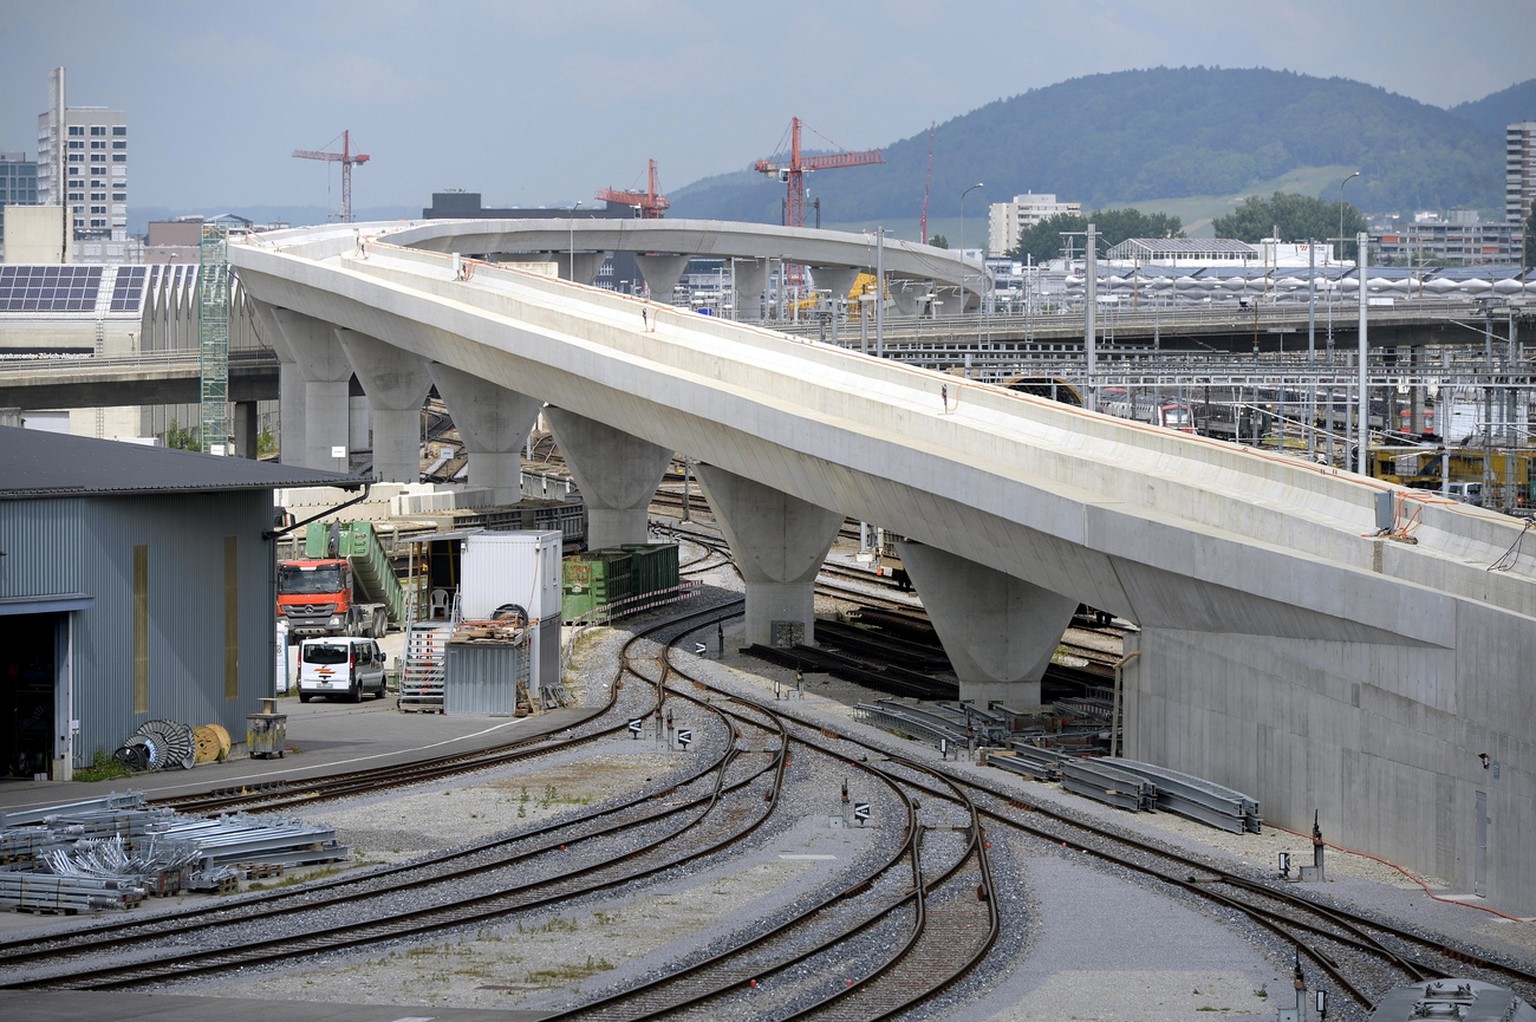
[[246, 430], [661, 273], [494, 423], [999, 631], [290, 386], [836, 279], [618, 474], [322, 365], [751, 282], [291, 427], [909, 298], [396, 383], [780, 543], [583, 269]]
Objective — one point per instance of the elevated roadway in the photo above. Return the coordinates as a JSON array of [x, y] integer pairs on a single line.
[[1315, 638]]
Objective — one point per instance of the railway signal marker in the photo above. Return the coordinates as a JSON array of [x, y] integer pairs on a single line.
[[635, 725], [699, 649], [861, 812], [684, 737]]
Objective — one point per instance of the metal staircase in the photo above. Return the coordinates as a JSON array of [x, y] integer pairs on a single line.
[[426, 656]]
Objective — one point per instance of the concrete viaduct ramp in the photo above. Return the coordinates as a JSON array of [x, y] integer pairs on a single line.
[[1294, 644]]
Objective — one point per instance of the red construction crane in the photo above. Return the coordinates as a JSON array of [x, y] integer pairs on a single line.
[[793, 173], [346, 158], [651, 204]]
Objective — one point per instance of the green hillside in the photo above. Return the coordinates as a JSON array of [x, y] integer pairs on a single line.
[[1187, 141]]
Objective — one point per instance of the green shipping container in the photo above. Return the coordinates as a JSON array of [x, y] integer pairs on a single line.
[[654, 568], [591, 582]]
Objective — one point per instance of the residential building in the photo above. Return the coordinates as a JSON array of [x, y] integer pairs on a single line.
[[1460, 238], [18, 185], [1007, 220], [1519, 171], [82, 157]]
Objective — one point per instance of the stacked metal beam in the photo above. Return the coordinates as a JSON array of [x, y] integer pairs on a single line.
[[1098, 780], [111, 853], [1198, 798]]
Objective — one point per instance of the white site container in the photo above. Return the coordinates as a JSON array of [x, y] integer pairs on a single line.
[[522, 568], [501, 568]]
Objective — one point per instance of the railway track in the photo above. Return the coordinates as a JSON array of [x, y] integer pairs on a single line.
[[847, 950], [842, 956], [1364, 955], [651, 821]]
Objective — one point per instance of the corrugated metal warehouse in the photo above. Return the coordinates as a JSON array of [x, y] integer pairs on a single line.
[[136, 583]]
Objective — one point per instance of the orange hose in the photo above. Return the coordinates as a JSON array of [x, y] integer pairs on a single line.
[[1404, 872]]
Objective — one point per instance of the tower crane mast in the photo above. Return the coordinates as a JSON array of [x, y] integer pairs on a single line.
[[347, 158], [793, 173], [650, 202], [927, 181]]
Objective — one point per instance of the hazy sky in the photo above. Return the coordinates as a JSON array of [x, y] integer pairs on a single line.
[[533, 102]]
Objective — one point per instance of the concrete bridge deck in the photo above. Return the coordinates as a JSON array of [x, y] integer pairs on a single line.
[[1290, 647]]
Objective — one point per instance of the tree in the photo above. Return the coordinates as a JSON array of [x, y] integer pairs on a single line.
[[182, 438], [939, 241], [1290, 218], [1044, 240]]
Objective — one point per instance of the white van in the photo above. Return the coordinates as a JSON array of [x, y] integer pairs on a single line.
[[340, 666], [1467, 493]]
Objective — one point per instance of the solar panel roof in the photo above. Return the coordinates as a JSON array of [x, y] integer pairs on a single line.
[[49, 288]]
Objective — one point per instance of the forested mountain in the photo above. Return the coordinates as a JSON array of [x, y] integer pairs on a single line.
[[1132, 136], [1496, 112]]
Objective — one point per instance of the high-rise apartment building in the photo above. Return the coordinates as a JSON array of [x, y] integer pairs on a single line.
[[18, 184], [82, 163], [1519, 170], [1007, 220]]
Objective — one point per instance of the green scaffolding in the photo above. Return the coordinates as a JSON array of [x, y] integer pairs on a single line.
[[213, 339]]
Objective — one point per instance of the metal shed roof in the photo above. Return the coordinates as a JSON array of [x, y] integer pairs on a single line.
[[35, 464], [1181, 248]]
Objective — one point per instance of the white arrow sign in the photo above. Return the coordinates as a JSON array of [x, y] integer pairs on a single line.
[[699, 648]]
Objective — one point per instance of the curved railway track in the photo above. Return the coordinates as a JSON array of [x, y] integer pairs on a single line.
[[1366, 956], [923, 894]]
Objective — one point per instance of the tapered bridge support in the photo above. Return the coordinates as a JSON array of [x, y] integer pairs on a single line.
[[999, 631], [780, 543], [323, 411], [618, 474], [396, 383], [494, 423]]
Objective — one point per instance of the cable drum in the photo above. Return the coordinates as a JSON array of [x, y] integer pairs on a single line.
[[136, 753], [211, 742]]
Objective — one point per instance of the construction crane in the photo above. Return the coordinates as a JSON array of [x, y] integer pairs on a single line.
[[650, 203], [793, 173], [927, 181], [346, 158]]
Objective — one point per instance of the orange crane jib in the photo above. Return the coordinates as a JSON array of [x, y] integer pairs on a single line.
[[650, 203], [347, 158], [793, 173]]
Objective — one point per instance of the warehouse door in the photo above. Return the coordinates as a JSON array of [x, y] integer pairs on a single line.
[[28, 684]]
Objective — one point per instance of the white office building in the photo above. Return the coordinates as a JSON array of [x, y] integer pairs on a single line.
[[82, 164], [1519, 170], [1007, 220]]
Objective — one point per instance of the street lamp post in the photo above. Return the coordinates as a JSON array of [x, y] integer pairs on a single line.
[[1342, 183], [572, 252], [963, 194]]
